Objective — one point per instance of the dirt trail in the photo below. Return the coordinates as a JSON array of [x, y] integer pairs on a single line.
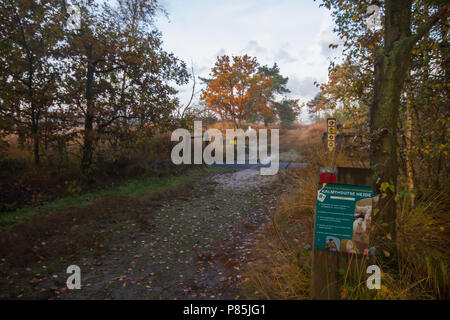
[[195, 249]]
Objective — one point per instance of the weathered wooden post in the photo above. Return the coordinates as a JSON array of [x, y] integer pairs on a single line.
[[341, 229]]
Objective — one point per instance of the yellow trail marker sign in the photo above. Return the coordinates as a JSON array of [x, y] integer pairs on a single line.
[[331, 130]]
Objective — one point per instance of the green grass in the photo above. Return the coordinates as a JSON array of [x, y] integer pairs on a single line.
[[137, 187]]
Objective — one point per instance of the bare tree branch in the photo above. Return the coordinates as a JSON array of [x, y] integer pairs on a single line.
[[192, 94]]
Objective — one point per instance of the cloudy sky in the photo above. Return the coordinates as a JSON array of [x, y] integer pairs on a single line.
[[293, 33]]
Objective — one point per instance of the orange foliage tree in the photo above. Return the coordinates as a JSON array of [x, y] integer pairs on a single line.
[[238, 88]]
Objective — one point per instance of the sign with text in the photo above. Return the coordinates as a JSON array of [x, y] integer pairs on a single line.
[[343, 218], [342, 226], [331, 133]]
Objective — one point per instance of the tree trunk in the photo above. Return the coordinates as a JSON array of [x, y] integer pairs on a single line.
[[35, 135], [390, 72], [88, 145], [409, 151], [391, 69], [21, 138]]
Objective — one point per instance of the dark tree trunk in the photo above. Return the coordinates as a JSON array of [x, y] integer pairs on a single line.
[[88, 145], [391, 69], [21, 137], [35, 136]]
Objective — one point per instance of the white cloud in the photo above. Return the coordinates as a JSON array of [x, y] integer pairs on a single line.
[[254, 48], [303, 87], [284, 55]]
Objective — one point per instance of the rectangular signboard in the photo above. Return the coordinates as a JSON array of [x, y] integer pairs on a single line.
[[343, 218], [342, 226]]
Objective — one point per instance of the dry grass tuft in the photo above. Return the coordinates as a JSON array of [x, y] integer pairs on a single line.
[[424, 255], [281, 265]]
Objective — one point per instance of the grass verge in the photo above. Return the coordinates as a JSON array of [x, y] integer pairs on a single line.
[[137, 187]]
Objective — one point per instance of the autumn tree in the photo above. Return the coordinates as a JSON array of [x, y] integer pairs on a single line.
[[425, 101], [29, 34], [348, 92], [391, 57], [238, 88], [117, 70]]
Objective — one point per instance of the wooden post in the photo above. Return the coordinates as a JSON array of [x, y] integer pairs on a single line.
[[328, 268]]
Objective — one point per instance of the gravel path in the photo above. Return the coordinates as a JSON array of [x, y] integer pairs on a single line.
[[195, 248]]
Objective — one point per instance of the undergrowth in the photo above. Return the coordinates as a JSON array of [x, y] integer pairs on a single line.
[[281, 262]]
